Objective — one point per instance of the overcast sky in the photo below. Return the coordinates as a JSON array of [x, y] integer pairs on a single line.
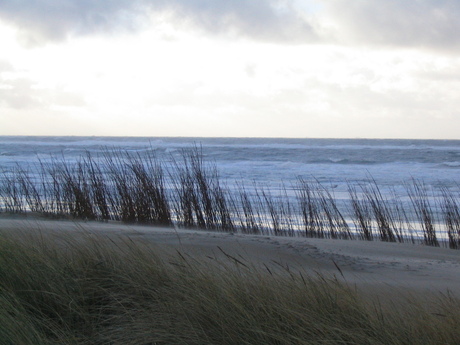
[[234, 68]]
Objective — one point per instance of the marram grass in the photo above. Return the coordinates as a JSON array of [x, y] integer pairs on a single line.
[[189, 192], [90, 289]]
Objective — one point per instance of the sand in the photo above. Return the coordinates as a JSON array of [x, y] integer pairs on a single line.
[[366, 265]]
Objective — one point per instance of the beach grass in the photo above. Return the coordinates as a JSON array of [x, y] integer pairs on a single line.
[[59, 288], [189, 192]]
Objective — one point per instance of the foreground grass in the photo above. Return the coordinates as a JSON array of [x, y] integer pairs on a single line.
[[97, 290]]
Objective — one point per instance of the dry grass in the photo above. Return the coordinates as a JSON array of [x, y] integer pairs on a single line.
[[89, 289]]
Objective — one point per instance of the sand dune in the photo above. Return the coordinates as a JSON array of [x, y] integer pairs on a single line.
[[369, 265]]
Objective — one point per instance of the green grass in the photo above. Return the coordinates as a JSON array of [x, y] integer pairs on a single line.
[[90, 289]]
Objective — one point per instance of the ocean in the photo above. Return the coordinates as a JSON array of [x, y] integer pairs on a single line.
[[274, 163]]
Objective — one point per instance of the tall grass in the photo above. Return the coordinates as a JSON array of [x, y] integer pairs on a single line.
[[188, 192], [100, 290], [451, 213]]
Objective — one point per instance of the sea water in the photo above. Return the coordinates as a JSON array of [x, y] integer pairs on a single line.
[[274, 163]]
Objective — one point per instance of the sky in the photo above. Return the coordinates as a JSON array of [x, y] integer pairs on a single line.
[[231, 68]]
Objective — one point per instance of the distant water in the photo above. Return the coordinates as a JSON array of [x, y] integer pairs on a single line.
[[273, 162], [275, 165]]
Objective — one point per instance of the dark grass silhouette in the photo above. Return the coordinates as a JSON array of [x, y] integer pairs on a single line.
[[188, 192]]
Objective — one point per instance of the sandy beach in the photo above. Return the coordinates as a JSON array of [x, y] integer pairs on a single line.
[[368, 265]]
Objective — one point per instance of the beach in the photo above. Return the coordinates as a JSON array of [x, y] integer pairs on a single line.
[[368, 265], [77, 282]]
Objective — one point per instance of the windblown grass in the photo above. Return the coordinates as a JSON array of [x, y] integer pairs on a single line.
[[188, 192], [99, 290]]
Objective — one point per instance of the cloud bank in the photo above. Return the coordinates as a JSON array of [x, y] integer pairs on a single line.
[[54, 20], [331, 68], [407, 23], [430, 24]]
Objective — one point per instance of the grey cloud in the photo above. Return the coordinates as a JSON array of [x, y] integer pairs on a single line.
[[429, 24], [5, 66], [19, 94], [446, 76], [41, 21], [23, 94], [16, 93], [262, 20]]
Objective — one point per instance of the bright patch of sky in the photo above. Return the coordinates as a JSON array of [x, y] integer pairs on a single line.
[[278, 68]]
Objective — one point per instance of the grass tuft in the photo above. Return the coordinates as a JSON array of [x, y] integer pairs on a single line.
[[90, 289], [188, 192]]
